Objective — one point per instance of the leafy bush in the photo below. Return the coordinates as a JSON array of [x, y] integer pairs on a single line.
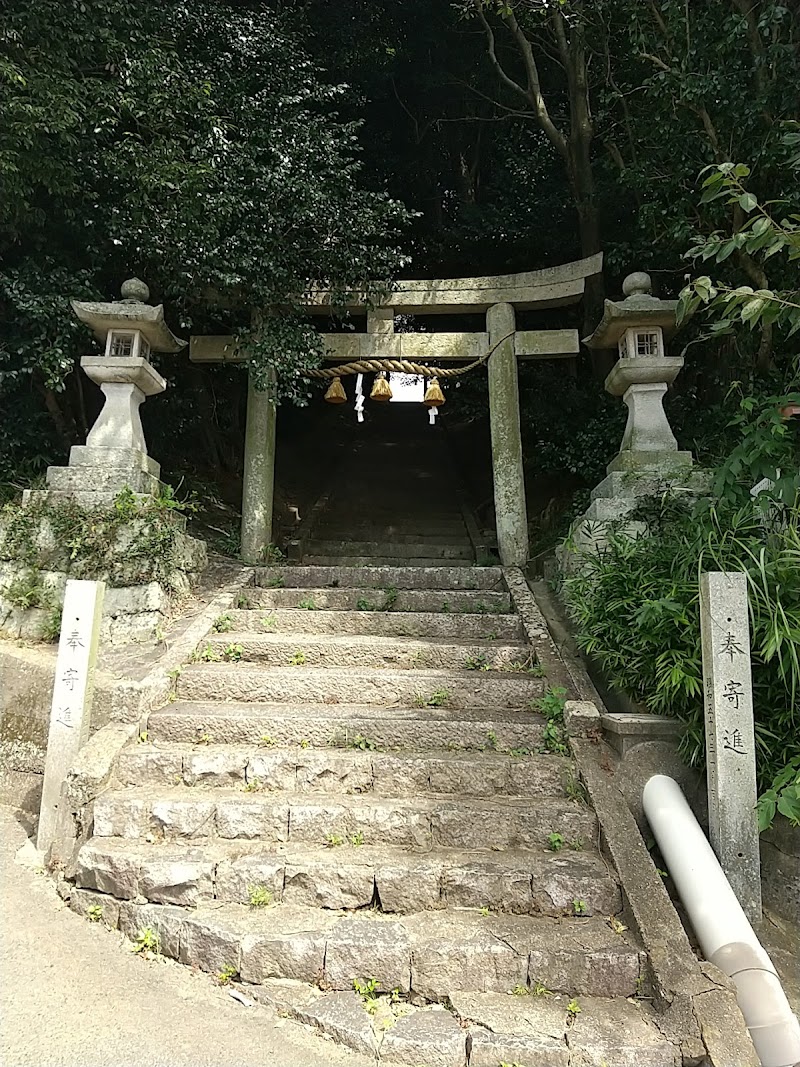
[[636, 607]]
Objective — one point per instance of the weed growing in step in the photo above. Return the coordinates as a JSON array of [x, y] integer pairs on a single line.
[[367, 989], [577, 844], [520, 991], [551, 705], [233, 653], [269, 622], [147, 943], [516, 1063], [357, 839], [616, 925], [298, 659], [305, 743], [575, 789], [579, 907], [206, 655], [203, 738], [484, 911], [227, 975], [437, 699], [265, 741], [364, 605], [540, 990], [143, 737], [528, 666], [223, 623], [334, 840], [308, 604], [50, 629], [243, 602], [573, 1011], [519, 750], [476, 663], [273, 555], [555, 841], [258, 896], [363, 743], [492, 636], [486, 559], [391, 598], [95, 913], [253, 785], [445, 607], [482, 608], [278, 582], [491, 741]]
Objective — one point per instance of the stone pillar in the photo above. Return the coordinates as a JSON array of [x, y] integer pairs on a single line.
[[511, 513], [258, 487]]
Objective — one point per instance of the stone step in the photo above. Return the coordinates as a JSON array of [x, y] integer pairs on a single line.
[[540, 1031], [331, 685], [422, 562], [442, 601], [405, 533], [476, 627], [348, 877], [324, 725], [422, 822], [395, 547], [360, 770], [382, 577], [434, 954], [368, 650]]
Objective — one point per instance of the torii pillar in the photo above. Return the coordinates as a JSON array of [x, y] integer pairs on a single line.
[[511, 513]]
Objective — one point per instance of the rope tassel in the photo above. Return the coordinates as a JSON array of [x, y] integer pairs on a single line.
[[336, 393], [381, 390]]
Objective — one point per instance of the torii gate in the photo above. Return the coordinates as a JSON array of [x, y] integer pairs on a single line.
[[499, 297]]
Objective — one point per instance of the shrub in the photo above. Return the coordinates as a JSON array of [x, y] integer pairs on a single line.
[[636, 609]]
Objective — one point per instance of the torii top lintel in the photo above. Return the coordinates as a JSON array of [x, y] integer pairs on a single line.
[[549, 287]]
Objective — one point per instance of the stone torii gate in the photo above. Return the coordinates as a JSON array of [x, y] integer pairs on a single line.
[[499, 297]]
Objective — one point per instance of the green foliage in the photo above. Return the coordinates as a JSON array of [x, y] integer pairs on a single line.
[[555, 841], [757, 235], [147, 943], [476, 663], [782, 796], [364, 744], [551, 705], [636, 609], [258, 896], [194, 142], [222, 624], [307, 603], [227, 975], [233, 653]]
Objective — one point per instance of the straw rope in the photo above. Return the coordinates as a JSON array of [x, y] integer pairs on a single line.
[[404, 366]]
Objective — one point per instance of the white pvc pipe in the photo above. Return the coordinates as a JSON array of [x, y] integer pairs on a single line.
[[725, 935]]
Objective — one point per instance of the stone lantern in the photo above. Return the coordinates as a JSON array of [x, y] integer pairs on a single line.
[[115, 453], [649, 459], [638, 327]]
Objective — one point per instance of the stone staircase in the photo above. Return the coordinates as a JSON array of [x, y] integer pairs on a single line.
[[396, 500], [350, 808]]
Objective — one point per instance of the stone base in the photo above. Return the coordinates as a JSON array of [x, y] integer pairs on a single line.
[[628, 484], [129, 459], [86, 479], [650, 461]]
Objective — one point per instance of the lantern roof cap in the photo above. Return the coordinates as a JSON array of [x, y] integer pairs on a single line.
[[638, 309], [131, 312]]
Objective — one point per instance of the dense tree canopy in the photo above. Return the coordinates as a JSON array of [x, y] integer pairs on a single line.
[[233, 152]]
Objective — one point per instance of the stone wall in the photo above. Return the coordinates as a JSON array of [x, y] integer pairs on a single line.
[[780, 868], [26, 684]]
